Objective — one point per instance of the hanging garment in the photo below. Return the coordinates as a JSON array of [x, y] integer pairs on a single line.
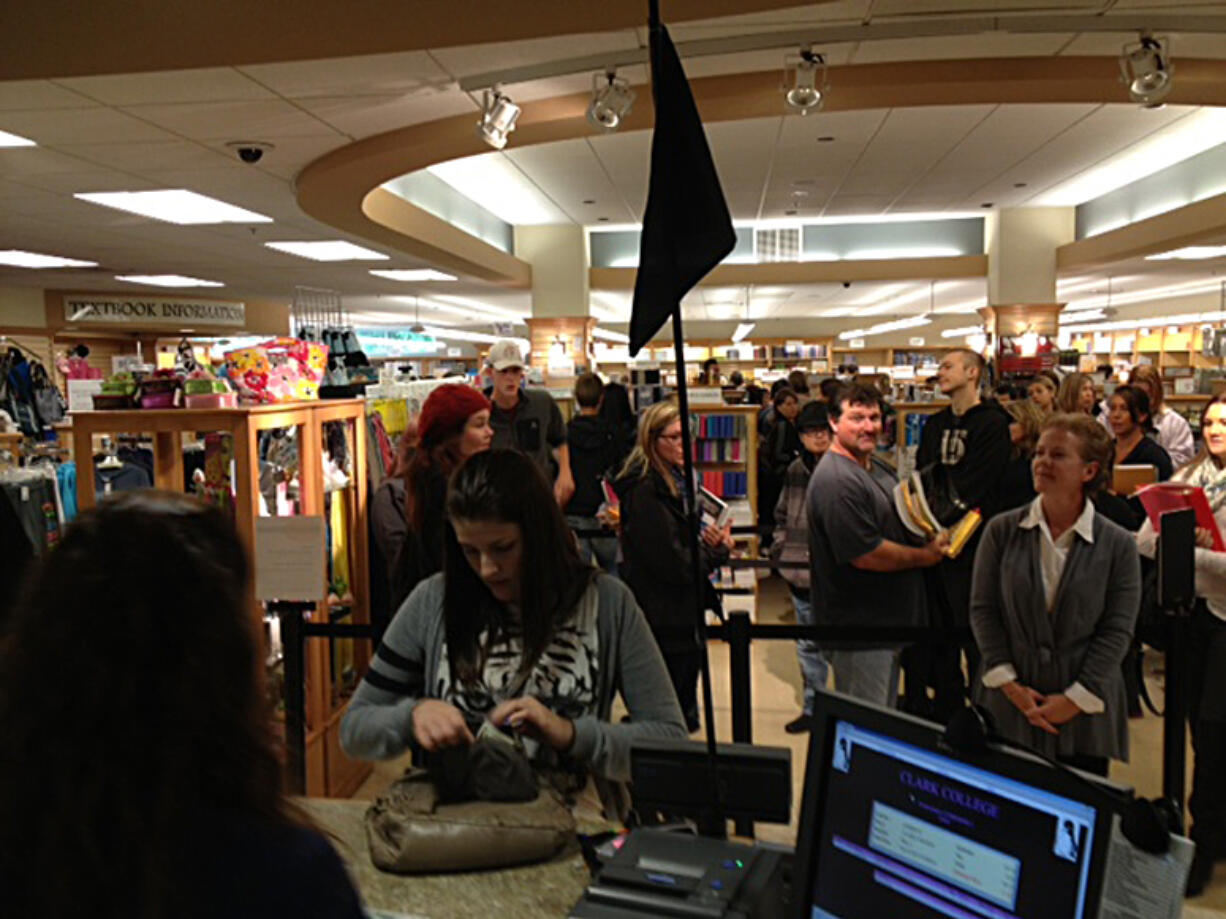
[[66, 480], [127, 477]]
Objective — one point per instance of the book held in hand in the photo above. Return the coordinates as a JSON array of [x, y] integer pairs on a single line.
[[711, 509], [1175, 496], [916, 515]]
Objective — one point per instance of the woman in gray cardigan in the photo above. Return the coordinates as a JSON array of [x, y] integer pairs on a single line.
[[518, 632], [1054, 599]]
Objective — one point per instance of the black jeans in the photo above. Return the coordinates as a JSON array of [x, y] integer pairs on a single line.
[[684, 666], [1206, 665]]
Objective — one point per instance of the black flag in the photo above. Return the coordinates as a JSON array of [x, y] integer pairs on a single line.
[[687, 230]]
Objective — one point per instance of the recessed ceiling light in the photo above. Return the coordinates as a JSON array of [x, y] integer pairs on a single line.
[[986, 204], [1190, 253], [174, 205], [167, 280], [14, 140], [589, 200], [825, 139], [790, 211], [603, 219], [1019, 184], [328, 250], [412, 274], [804, 182], [22, 259]]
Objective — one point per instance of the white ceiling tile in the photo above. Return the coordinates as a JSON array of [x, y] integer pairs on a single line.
[[205, 84], [470, 59], [375, 74], [83, 125], [37, 95], [19, 161], [573, 174], [137, 158], [68, 183], [363, 116], [259, 120]]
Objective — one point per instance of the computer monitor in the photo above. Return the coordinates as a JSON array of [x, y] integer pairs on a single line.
[[894, 823]]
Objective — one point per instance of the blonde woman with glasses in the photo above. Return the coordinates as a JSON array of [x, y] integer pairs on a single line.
[[656, 549]]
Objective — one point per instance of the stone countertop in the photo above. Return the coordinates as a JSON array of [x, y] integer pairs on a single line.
[[542, 890]]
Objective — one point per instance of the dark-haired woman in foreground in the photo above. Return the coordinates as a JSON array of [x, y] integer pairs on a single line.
[[138, 775], [518, 631]]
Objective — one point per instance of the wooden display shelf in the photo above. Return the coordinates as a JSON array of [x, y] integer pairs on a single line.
[[329, 772]]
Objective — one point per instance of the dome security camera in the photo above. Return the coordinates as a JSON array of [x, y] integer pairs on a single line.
[[249, 151]]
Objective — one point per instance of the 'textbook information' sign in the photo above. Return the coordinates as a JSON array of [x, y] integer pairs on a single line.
[[157, 311]]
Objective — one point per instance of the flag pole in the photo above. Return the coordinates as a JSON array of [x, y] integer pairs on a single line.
[[718, 826], [664, 276]]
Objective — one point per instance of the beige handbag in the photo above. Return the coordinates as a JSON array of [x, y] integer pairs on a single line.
[[411, 832]]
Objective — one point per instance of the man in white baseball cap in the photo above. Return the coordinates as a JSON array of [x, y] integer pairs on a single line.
[[528, 420]]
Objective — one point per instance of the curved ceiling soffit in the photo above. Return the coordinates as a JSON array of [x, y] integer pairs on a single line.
[[232, 33], [342, 188]]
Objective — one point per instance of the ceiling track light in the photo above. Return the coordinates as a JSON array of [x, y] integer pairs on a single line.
[[1146, 69], [498, 117], [612, 99], [807, 91]]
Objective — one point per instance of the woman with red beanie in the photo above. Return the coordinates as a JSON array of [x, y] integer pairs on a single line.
[[407, 513]]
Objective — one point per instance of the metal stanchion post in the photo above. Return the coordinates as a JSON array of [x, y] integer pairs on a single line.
[[739, 672], [293, 647], [1176, 596]]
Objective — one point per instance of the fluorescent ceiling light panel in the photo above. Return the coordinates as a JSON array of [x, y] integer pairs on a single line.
[[174, 205], [167, 280], [494, 182], [898, 324], [610, 335], [14, 140], [903, 252], [1191, 253], [22, 259], [742, 331], [962, 332], [412, 274], [328, 250], [476, 306], [1194, 133]]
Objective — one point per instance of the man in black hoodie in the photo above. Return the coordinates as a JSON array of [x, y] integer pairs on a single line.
[[595, 449], [966, 446]]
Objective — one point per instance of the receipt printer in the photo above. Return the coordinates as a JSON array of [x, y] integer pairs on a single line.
[[661, 873]]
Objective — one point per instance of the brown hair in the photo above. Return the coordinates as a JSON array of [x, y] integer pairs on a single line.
[[644, 457], [1069, 393], [588, 390], [1095, 445], [1136, 400], [1031, 418], [131, 699], [1147, 377]]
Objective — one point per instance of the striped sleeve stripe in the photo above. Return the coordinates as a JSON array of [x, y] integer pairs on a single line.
[[387, 684], [383, 652]]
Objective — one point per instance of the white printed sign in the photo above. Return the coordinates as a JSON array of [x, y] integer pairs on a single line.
[[289, 558], [173, 311]]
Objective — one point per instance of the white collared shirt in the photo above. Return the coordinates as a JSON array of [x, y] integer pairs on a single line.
[[1174, 434], [1053, 556]]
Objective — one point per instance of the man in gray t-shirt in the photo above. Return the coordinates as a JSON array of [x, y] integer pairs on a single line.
[[863, 568], [528, 420]]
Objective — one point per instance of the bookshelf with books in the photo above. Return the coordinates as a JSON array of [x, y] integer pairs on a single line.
[[726, 463]]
